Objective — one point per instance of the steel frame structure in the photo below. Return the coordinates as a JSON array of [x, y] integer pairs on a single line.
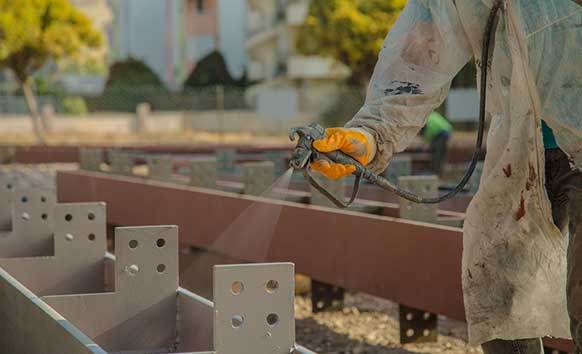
[[412, 263], [62, 293]]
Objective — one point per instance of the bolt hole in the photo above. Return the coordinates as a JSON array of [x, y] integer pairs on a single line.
[[133, 244], [237, 288], [25, 216], [91, 237], [43, 199], [91, 216], [237, 321], [9, 186], [24, 199], [161, 242], [161, 268], [272, 286], [68, 217], [44, 216], [410, 332], [272, 319]]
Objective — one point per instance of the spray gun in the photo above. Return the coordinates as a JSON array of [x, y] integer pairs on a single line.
[[305, 153]]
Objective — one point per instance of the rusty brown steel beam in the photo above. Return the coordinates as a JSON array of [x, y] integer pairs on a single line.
[[411, 263]]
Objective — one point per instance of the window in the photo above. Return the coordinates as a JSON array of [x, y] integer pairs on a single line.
[[200, 6]]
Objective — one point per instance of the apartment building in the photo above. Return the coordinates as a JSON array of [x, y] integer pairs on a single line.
[[273, 61]]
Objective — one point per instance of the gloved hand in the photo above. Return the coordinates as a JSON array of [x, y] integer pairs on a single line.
[[354, 142]]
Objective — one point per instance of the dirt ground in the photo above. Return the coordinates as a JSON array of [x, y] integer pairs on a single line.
[[369, 325]]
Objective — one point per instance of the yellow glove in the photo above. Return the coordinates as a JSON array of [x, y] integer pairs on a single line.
[[349, 141]]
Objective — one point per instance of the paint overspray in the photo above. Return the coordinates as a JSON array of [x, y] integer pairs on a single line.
[[252, 232], [250, 235]]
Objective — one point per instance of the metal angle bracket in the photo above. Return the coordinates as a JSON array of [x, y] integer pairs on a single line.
[[90, 159], [13, 180], [254, 309], [32, 224], [120, 162], [326, 297], [258, 177], [417, 326], [141, 313], [77, 265], [160, 168], [426, 186], [204, 172]]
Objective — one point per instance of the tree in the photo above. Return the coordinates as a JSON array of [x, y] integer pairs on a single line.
[[34, 32], [210, 71], [350, 31], [132, 72]]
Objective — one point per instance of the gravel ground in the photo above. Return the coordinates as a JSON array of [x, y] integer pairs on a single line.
[[369, 325]]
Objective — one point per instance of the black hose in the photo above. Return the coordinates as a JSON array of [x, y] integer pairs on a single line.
[[488, 48]]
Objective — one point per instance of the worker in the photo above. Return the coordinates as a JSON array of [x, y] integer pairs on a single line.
[[522, 257], [437, 132]]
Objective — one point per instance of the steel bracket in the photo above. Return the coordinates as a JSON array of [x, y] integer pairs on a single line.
[[160, 168], [79, 248], [426, 186], [120, 162], [254, 309], [90, 159], [417, 326], [204, 172], [326, 297], [146, 281], [12, 180], [258, 177], [226, 159], [32, 224]]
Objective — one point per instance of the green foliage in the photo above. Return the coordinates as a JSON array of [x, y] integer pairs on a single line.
[[74, 105], [33, 32], [350, 31], [91, 66], [210, 71], [132, 72]]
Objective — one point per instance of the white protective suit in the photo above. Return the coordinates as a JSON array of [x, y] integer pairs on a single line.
[[514, 261]]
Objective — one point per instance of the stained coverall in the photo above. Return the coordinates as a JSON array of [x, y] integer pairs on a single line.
[[522, 253]]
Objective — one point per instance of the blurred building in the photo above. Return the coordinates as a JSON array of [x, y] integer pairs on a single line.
[[273, 60], [172, 36]]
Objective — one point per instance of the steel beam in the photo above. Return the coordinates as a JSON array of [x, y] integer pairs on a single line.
[[366, 253], [383, 256]]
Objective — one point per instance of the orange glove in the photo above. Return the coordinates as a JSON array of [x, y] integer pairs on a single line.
[[349, 141]]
